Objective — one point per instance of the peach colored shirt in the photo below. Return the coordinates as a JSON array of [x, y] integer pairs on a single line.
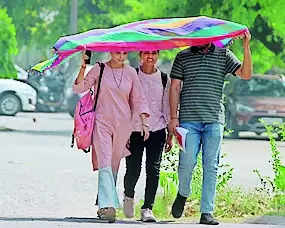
[[158, 101]]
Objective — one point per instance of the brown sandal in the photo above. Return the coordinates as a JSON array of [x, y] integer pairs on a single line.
[[107, 213]]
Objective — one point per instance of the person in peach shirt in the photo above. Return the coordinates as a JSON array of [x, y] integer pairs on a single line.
[[153, 83], [120, 98]]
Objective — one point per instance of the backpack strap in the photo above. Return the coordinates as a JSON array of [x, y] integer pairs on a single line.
[[164, 79], [137, 70], [102, 66]]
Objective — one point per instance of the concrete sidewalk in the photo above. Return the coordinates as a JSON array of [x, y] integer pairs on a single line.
[[94, 223]]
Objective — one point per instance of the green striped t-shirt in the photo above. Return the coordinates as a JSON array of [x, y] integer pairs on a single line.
[[203, 77]]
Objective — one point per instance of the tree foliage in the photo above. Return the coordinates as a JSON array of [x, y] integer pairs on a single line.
[[38, 22], [263, 18], [8, 45], [42, 22], [265, 23]]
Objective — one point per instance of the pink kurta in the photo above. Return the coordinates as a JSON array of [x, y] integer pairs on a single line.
[[115, 108]]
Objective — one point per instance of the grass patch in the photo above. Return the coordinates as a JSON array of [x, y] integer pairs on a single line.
[[235, 203], [232, 205], [278, 205], [277, 213]]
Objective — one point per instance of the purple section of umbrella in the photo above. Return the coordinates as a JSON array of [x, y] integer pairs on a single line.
[[162, 34]]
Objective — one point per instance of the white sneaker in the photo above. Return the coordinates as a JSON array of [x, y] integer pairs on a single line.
[[147, 215], [129, 207]]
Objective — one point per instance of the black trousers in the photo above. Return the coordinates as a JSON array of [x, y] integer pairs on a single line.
[[154, 146]]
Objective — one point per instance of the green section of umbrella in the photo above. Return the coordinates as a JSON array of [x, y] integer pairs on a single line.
[[131, 36], [114, 37], [217, 31], [39, 67]]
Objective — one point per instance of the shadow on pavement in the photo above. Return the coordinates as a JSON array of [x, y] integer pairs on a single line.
[[77, 220], [263, 220], [38, 132], [267, 219], [248, 138]]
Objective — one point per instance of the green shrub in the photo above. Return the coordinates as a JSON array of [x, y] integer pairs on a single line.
[[8, 46]]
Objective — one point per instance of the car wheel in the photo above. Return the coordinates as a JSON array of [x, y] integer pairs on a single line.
[[279, 133], [71, 113], [234, 134], [231, 126], [10, 104], [71, 103]]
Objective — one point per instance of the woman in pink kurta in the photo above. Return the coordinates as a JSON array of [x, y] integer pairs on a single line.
[[120, 97]]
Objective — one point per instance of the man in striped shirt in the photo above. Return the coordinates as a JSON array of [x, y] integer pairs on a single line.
[[202, 70]]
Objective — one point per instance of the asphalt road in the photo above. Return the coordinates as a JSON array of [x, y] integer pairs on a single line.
[[42, 177]]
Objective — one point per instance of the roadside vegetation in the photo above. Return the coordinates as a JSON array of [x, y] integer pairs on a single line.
[[232, 203]]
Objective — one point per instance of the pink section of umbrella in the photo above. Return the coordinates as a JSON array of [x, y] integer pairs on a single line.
[[153, 34]]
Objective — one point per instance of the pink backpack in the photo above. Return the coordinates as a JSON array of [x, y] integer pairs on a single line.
[[84, 117]]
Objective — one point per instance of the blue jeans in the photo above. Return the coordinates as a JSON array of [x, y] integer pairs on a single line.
[[107, 193], [207, 136]]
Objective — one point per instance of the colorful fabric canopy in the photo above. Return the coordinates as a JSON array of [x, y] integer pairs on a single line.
[[153, 34]]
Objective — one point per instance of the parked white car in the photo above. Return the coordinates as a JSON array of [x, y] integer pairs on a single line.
[[21, 73], [16, 96]]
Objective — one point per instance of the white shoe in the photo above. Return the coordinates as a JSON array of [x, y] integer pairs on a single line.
[[147, 215], [129, 207]]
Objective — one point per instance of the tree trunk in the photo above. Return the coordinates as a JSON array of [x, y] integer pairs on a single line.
[[73, 16]]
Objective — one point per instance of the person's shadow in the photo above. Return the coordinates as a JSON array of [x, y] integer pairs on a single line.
[[76, 220]]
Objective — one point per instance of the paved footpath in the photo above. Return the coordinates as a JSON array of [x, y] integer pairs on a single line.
[[94, 223], [47, 183]]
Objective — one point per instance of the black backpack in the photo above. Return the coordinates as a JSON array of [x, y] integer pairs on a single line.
[[163, 75]]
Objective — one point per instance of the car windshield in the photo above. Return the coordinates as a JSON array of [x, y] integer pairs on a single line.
[[261, 87]]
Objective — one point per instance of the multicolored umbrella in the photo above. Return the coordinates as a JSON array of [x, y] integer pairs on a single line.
[[153, 34]]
